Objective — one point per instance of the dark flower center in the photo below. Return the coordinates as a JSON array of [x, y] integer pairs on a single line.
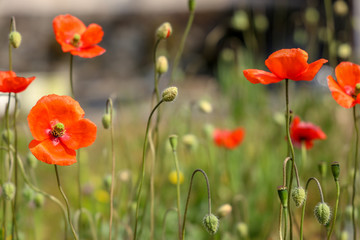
[[76, 40], [58, 130]]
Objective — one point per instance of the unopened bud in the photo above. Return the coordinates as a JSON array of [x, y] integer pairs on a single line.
[[322, 169], [169, 94], [15, 39], [107, 182], [211, 223], [190, 141], [205, 106], [192, 5], [283, 195], [208, 130], [224, 210], [298, 194], [243, 230], [9, 190], [31, 160], [39, 200], [162, 65], [322, 213], [164, 31], [335, 169], [28, 193], [240, 20], [106, 120], [8, 136], [173, 139]]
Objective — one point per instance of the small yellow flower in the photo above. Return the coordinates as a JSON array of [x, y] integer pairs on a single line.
[[173, 177]]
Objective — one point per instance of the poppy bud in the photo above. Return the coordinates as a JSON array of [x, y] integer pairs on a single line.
[[8, 136], [190, 141], [283, 195], [169, 94], [211, 223], [192, 5], [243, 230], [205, 106], [322, 213], [164, 31], [9, 190], [173, 141], [39, 200], [335, 169], [240, 20], [31, 160], [107, 182], [106, 120], [322, 169], [224, 210], [341, 8], [162, 65], [298, 194], [15, 39], [28, 193]]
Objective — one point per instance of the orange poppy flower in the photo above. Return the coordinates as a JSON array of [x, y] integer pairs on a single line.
[[9, 82], [58, 126], [285, 64], [347, 88], [305, 132], [74, 37], [227, 138]]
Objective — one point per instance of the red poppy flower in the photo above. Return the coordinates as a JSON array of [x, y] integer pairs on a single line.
[[227, 138], [305, 132], [58, 126], [285, 64], [9, 82], [347, 88], [74, 37]]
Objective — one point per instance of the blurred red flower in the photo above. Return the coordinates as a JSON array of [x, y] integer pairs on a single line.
[[347, 88], [285, 64], [305, 132], [58, 126], [227, 138], [9, 82], [74, 37]]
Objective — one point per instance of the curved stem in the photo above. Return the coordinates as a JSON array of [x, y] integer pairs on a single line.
[[164, 221], [355, 172], [143, 167], [296, 172], [66, 201], [91, 221], [336, 208], [188, 198]]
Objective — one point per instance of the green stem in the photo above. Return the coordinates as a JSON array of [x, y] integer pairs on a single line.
[[143, 167], [188, 198], [285, 221], [280, 221], [66, 201], [71, 76], [109, 106], [355, 171], [77, 216], [164, 221], [14, 223], [182, 44], [178, 191], [303, 155], [335, 210]]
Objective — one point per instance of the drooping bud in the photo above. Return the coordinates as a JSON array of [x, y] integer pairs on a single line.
[[173, 139], [9, 190], [39, 200], [15, 39], [211, 223], [335, 169], [106, 120], [162, 65], [107, 180], [205, 106], [8, 136], [169, 94], [243, 230], [322, 169], [283, 195], [31, 160], [298, 194], [164, 31], [224, 210], [192, 5], [322, 213]]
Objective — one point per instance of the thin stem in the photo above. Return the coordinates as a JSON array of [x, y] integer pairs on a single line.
[[304, 204], [296, 172], [71, 76], [336, 208], [303, 155], [355, 172], [182, 44], [280, 221], [164, 221], [178, 191], [66, 201], [14, 224], [143, 167], [285, 222], [109, 106], [188, 198], [91, 221]]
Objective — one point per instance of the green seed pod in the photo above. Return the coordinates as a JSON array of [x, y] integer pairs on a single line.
[[335, 169], [173, 141], [169, 94], [9, 190], [106, 120], [31, 160], [28, 193], [15, 39], [322, 169], [164, 31], [107, 182], [162, 65], [322, 213], [211, 223], [192, 5], [298, 194], [283, 195], [8, 136], [39, 200]]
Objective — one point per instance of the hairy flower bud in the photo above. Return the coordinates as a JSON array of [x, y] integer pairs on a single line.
[[9, 190], [15, 39], [162, 65], [322, 213], [164, 31], [106, 120], [298, 194], [169, 94], [211, 223]]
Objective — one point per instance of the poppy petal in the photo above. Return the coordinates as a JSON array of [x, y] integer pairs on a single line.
[[347, 74], [259, 76], [15, 84], [93, 35], [52, 153], [6, 74], [287, 63], [311, 71], [89, 52], [66, 26], [79, 135], [339, 95]]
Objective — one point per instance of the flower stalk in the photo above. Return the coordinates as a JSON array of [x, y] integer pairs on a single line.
[[355, 172]]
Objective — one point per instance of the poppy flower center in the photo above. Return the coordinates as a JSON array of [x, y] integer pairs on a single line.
[[76, 40], [58, 130], [357, 89]]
